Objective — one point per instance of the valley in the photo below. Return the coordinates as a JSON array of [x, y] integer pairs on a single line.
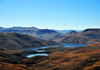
[[49, 34], [30, 48]]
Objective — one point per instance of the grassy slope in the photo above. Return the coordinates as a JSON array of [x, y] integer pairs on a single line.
[[82, 59], [87, 58]]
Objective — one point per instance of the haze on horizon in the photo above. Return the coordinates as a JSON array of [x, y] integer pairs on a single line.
[[50, 14]]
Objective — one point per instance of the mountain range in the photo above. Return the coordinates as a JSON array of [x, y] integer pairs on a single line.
[[45, 34], [87, 36]]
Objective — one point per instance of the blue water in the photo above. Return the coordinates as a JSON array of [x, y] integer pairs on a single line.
[[73, 45], [31, 55], [35, 48], [63, 44]]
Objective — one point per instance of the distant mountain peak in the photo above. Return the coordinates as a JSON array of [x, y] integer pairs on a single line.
[[73, 31]]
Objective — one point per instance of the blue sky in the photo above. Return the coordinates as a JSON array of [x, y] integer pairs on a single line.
[[51, 14]]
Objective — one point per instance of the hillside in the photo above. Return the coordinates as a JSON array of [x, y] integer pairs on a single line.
[[45, 34], [59, 38], [87, 36], [19, 41], [79, 59], [62, 58], [91, 33]]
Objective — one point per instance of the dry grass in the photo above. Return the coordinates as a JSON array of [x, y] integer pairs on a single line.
[[81, 59], [8, 66]]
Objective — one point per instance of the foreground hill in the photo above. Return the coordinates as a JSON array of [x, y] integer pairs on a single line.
[[18, 41], [45, 34], [87, 36], [79, 59], [76, 58]]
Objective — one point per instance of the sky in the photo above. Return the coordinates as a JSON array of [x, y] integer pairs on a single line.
[[50, 14]]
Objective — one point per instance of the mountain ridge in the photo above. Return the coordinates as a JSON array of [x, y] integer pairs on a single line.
[[87, 36], [45, 34], [58, 38]]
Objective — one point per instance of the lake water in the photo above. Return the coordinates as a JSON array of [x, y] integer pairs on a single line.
[[73, 45], [62, 44]]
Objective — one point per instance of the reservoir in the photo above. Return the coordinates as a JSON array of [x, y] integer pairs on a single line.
[[62, 44]]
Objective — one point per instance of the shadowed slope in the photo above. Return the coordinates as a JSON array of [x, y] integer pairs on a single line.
[[18, 41]]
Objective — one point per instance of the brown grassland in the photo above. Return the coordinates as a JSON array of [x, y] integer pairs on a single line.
[[87, 58]]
